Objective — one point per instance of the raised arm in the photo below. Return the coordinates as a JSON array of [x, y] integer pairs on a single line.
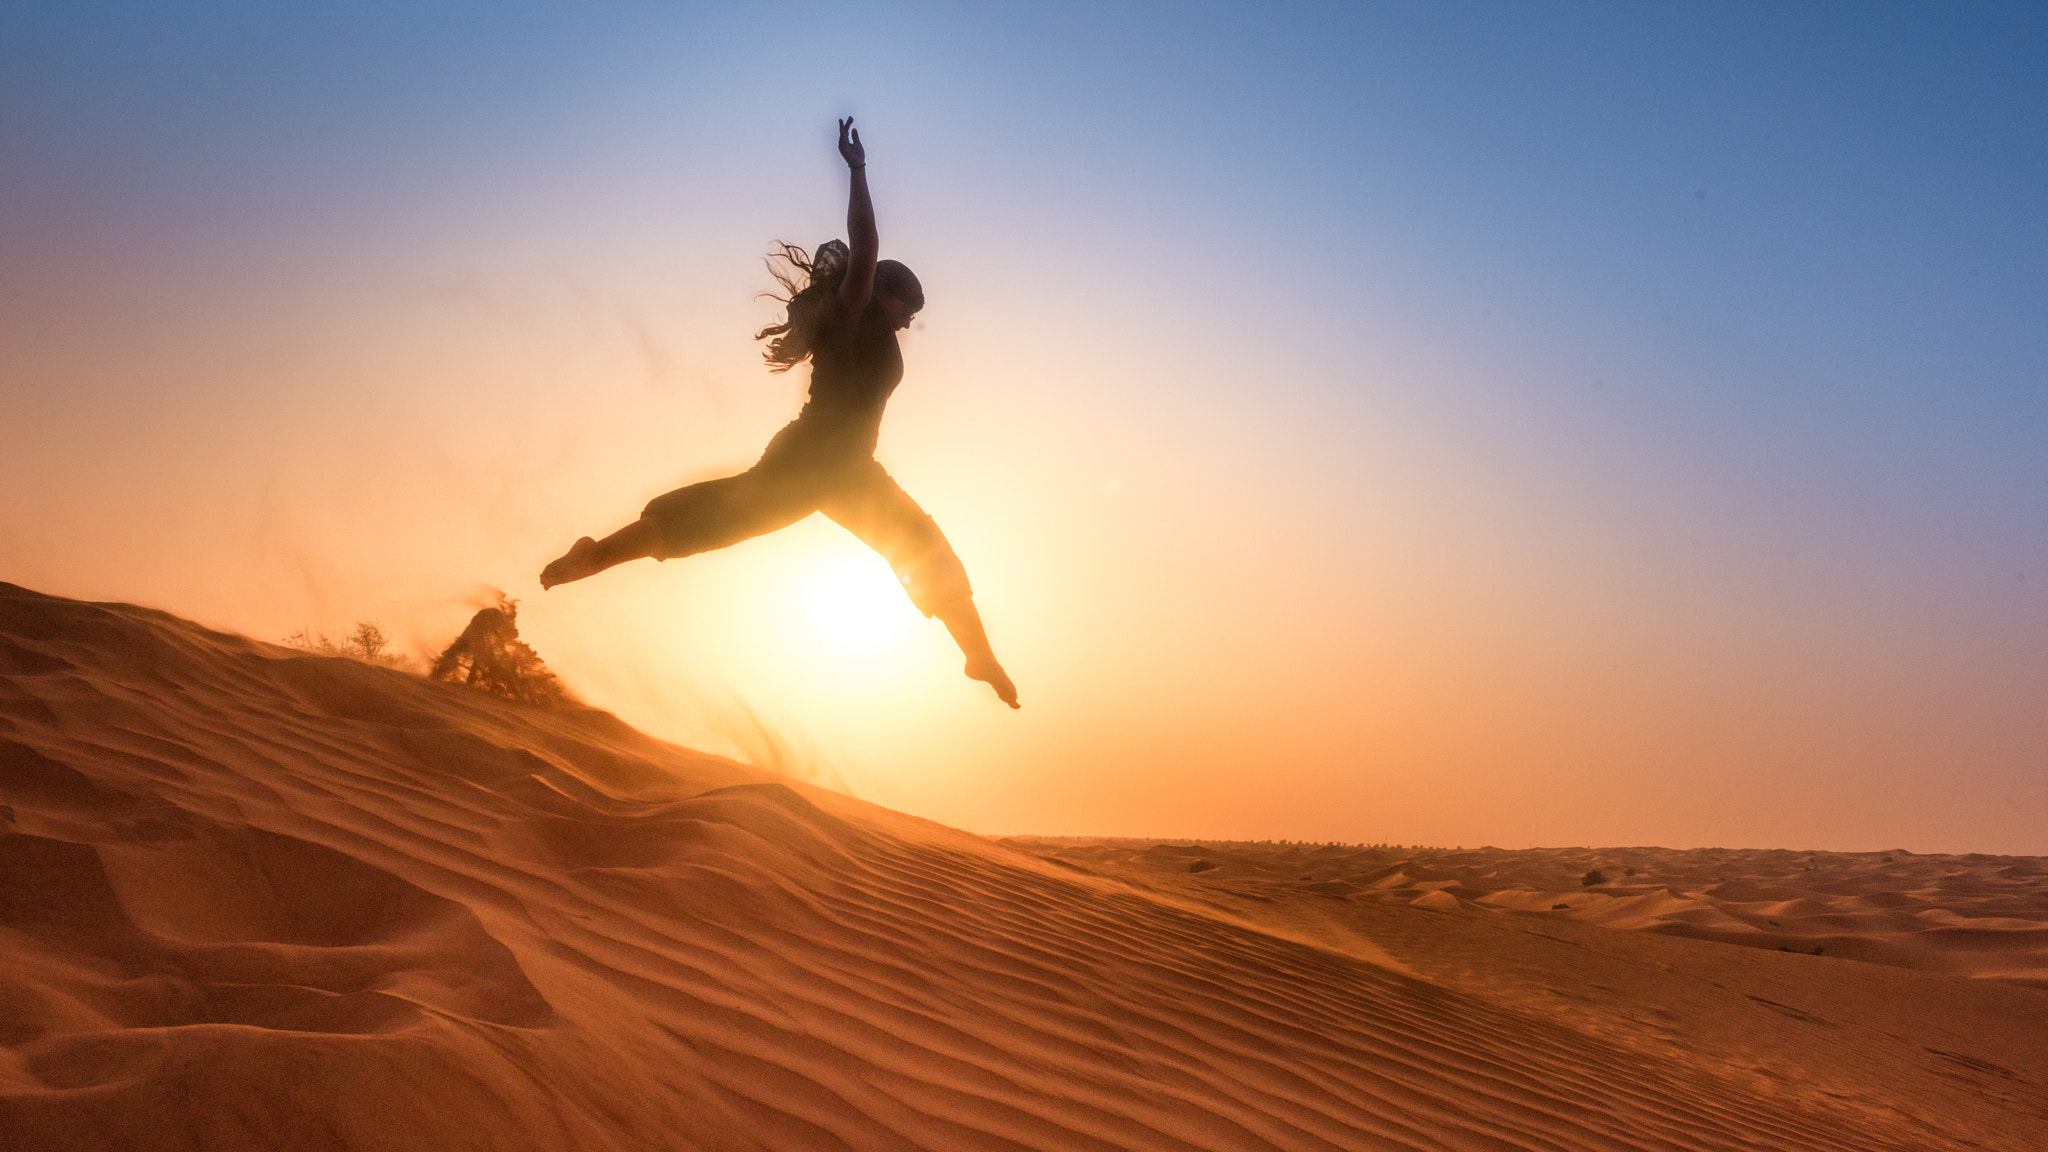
[[863, 243]]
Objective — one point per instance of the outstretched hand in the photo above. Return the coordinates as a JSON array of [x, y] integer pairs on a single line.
[[849, 145]]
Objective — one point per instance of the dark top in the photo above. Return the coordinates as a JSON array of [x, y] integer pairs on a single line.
[[854, 368]]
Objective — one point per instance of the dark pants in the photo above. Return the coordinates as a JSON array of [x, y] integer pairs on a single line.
[[797, 476]]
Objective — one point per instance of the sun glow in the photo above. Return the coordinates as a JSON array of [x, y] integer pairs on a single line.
[[856, 604]]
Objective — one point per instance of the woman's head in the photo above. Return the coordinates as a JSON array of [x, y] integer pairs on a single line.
[[897, 284], [811, 279]]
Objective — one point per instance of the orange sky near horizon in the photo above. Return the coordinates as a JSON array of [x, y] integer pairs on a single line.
[[1211, 641], [1395, 540]]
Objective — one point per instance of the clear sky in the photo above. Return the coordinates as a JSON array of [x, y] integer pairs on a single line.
[[1418, 422]]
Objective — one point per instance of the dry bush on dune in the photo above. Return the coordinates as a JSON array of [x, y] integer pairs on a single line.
[[367, 641], [489, 655]]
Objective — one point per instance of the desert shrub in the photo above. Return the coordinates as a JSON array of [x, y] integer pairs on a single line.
[[367, 641], [1596, 876], [490, 656]]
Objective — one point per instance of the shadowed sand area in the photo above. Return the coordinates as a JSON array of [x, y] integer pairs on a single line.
[[253, 898]]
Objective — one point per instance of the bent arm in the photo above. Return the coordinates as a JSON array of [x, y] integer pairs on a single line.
[[864, 244]]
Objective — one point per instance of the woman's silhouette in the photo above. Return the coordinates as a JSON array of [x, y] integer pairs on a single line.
[[845, 308]]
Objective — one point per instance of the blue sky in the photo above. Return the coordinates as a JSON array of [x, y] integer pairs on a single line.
[[1698, 333]]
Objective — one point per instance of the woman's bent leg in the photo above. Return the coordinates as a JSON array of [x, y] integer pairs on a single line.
[[877, 510], [963, 620]]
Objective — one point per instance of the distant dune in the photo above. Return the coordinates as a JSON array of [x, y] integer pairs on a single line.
[[1971, 915], [252, 898]]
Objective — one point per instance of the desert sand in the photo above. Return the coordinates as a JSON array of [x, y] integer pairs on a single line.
[[252, 898]]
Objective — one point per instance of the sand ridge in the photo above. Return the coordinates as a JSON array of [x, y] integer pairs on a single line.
[[1971, 915], [254, 898], [1896, 1038]]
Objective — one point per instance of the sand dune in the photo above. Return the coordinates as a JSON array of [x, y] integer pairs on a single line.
[[1972, 915], [251, 898]]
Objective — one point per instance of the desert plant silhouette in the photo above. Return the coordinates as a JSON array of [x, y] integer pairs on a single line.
[[366, 641], [489, 655]]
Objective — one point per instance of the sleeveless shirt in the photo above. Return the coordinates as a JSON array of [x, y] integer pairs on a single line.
[[854, 367]]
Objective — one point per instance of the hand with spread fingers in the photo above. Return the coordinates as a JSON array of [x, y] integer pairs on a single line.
[[849, 145]]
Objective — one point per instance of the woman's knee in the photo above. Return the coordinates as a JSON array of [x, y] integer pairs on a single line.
[[935, 579]]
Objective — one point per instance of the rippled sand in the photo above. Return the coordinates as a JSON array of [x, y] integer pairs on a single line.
[[252, 898]]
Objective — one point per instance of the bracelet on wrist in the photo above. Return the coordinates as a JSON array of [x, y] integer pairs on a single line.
[[853, 166]]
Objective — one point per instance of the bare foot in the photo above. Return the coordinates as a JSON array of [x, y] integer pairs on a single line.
[[579, 561], [991, 673]]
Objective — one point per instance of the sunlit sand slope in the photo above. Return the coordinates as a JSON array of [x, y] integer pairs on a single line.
[[251, 898]]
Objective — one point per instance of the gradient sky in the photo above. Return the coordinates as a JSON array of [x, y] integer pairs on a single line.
[[1431, 423]]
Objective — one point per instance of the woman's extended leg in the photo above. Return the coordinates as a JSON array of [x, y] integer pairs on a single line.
[[699, 518], [872, 506], [587, 557]]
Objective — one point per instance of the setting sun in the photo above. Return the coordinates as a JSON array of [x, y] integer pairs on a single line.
[[855, 604]]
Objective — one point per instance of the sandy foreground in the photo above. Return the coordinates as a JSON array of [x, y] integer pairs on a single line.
[[256, 899]]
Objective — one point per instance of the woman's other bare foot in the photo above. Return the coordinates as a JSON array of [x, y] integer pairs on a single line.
[[579, 561], [991, 673], [588, 557]]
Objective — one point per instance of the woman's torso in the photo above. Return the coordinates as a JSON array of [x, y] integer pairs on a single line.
[[855, 365]]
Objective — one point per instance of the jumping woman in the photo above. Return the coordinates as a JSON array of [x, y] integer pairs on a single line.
[[845, 308]]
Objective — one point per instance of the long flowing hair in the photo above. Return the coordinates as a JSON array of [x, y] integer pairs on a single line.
[[811, 281]]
